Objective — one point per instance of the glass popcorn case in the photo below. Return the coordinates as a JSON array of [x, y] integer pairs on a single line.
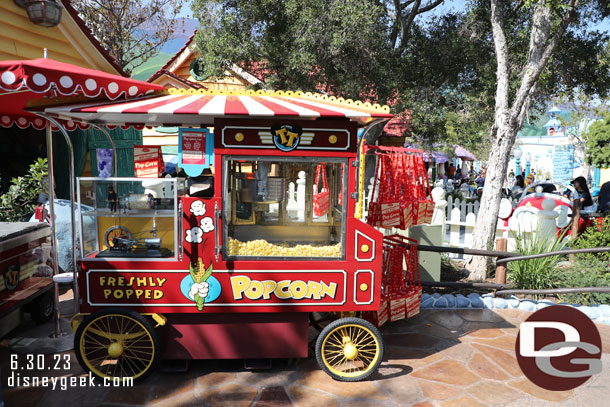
[[129, 217], [284, 207]]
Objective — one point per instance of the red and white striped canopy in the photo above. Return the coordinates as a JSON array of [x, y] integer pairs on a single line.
[[34, 80], [201, 107]]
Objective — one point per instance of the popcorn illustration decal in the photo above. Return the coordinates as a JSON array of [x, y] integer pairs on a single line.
[[207, 224], [194, 235], [200, 288], [198, 208]]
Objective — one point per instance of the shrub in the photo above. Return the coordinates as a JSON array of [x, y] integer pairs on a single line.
[[594, 236], [590, 272], [535, 274], [19, 202]]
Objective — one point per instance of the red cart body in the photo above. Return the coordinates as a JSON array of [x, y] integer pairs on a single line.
[[255, 307]]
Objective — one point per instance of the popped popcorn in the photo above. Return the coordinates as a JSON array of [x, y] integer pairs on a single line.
[[261, 247]]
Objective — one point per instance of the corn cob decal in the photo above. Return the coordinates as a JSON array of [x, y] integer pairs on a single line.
[[199, 274]]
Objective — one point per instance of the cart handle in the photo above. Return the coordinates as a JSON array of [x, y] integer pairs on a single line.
[[180, 244], [216, 245]]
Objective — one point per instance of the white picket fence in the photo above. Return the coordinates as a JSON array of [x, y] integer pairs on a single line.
[[460, 221]]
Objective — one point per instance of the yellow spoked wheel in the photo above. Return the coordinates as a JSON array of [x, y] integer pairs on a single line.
[[116, 231], [349, 349], [116, 342]]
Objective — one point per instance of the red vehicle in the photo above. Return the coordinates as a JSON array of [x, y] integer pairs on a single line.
[[524, 217], [231, 264]]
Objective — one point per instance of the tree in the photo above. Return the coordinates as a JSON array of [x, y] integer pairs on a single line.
[[517, 81], [584, 111], [19, 202], [130, 30], [598, 143], [300, 44]]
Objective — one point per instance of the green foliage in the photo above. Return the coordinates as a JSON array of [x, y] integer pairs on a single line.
[[441, 67], [598, 143], [338, 45], [594, 236], [20, 201], [534, 274], [587, 272]]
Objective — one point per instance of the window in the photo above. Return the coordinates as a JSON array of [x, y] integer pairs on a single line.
[[278, 208]]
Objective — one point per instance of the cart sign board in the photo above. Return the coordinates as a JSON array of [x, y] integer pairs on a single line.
[[224, 288], [148, 161], [293, 137], [195, 149]]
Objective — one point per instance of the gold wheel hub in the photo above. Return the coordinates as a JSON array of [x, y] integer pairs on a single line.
[[115, 350], [350, 352]]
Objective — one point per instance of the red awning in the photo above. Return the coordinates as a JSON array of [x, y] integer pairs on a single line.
[[201, 107], [22, 82]]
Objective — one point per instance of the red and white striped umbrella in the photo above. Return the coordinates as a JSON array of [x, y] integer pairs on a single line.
[[202, 107], [35, 80]]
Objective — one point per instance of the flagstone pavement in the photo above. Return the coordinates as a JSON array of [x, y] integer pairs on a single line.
[[441, 358]]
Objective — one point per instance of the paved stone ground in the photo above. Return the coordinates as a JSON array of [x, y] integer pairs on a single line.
[[440, 358]]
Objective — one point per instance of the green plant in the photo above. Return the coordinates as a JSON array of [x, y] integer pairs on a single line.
[[535, 274], [588, 272], [595, 235], [19, 202]]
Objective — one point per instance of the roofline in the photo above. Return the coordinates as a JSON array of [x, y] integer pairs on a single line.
[[186, 50], [87, 31], [161, 72], [173, 58]]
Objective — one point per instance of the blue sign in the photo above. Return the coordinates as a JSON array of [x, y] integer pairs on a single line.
[[195, 150]]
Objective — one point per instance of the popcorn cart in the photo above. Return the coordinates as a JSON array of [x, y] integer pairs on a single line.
[[169, 272]]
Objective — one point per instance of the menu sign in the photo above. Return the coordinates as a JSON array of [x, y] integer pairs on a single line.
[[193, 147], [148, 161], [195, 150]]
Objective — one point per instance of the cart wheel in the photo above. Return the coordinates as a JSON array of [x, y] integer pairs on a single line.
[[116, 231], [349, 349], [115, 342], [42, 308], [320, 320]]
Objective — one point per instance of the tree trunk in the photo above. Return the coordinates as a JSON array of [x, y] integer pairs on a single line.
[[492, 194], [508, 119]]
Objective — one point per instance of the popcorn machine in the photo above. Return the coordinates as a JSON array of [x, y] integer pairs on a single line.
[[172, 274]]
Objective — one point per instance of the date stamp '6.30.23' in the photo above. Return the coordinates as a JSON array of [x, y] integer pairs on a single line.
[[54, 371]]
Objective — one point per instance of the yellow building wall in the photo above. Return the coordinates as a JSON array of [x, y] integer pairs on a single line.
[[229, 82], [604, 176], [22, 39]]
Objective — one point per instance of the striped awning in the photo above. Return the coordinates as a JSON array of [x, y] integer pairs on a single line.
[[200, 107]]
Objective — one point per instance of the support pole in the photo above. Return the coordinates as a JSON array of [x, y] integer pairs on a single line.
[[72, 208], [575, 222], [57, 332], [501, 244]]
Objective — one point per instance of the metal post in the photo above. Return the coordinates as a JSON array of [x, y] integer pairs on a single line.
[[517, 166], [575, 222], [52, 222], [360, 165], [501, 244], [72, 209]]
